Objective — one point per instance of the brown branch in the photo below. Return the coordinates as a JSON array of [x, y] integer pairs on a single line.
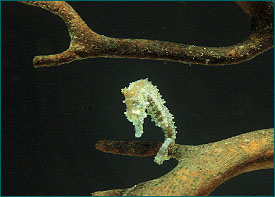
[[200, 168], [134, 148], [87, 44]]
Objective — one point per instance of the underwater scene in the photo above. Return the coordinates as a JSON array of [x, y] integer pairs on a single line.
[[137, 98]]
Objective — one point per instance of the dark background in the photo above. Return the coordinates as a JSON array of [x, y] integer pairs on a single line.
[[52, 117]]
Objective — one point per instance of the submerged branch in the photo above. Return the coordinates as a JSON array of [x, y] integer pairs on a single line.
[[200, 168], [133, 148], [85, 43]]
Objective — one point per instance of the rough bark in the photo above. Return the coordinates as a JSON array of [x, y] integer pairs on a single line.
[[200, 168], [86, 43]]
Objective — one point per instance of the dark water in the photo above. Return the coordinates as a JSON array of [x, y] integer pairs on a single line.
[[52, 117]]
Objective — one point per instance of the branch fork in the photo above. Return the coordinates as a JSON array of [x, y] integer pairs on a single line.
[[86, 43]]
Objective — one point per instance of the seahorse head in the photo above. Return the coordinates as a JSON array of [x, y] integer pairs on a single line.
[[134, 110], [136, 107]]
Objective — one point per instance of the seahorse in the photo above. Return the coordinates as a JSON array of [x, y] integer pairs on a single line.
[[142, 98]]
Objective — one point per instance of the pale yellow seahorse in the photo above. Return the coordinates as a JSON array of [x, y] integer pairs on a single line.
[[142, 98]]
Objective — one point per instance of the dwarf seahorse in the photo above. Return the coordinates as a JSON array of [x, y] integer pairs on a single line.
[[142, 98]]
